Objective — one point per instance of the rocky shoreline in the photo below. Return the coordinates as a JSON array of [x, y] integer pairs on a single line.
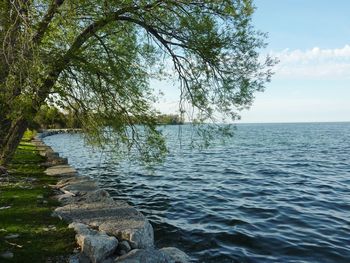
[[107, 230]]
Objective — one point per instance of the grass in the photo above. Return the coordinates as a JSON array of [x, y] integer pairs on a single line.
[[42, 238]]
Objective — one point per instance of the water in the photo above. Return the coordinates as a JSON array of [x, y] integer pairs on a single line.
[[274, 193]]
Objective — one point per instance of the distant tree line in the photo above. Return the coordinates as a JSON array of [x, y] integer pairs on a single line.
[[51, 117], [170, 119]]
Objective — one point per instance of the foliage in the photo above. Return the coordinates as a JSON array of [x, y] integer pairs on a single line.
[[50, 117], [169, 119], [95, 59], [29, 135]]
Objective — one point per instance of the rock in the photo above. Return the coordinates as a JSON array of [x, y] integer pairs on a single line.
[[65, 198], [7, 255], [11, 236], [81, 189], [3, 171], [30, 180], [81, 186], [78, 258], [144, 256], [73, 259], [99, 195], [109, 260], [96, 245], [116, 218], [176, 254], [51, 155], [80, 229], [61, 170], [59, 161], [84, 197], [124, 246], [83, 258], [138, 231]]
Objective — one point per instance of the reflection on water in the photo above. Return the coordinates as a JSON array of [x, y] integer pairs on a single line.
[[275, 193]]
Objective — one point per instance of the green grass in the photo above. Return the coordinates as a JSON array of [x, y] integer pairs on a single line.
[[42, 238]]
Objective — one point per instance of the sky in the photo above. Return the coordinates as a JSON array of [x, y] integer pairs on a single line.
[[311, 39]]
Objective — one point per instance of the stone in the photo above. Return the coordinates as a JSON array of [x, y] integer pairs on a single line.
[[85, 197], [59, 161], [7, 255], [135, 228], [73, 259], [61, 170], [96, 245], [138, 232], [109, 260], [30, 180], [99, 195], [3, 170], [83, 258], [51, 155], [176, 254], [65, 198], [11, 236], [144, 256], [80, 229], [124, 246], [84, 185], [116, 219]]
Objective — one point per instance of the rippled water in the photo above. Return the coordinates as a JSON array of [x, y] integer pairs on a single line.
[[275, 193]]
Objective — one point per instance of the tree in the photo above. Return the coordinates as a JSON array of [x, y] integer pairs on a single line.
[[50, 117], [95, 58]]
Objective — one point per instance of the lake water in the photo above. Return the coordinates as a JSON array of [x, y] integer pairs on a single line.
[[274, 193]]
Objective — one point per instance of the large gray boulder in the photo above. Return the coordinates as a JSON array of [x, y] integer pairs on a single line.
[[137, 230], [144, 256], [81, 185], [124, 247], [99, 195], [115, 218], [96, 245], [176, 254]]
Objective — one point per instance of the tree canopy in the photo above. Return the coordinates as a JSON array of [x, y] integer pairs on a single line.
[[95, 58]]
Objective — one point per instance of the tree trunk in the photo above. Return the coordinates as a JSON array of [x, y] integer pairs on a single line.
[[5, 126], [12, 140]]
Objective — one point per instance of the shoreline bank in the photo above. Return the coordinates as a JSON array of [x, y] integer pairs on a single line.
[[106, 230], [28, 231]]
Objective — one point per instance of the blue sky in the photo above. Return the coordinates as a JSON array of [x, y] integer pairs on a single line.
[[311, 38]]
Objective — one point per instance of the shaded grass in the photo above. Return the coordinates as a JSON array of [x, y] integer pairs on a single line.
[[42, 238]]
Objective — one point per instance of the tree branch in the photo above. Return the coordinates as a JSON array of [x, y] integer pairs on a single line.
[[44, 24]]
